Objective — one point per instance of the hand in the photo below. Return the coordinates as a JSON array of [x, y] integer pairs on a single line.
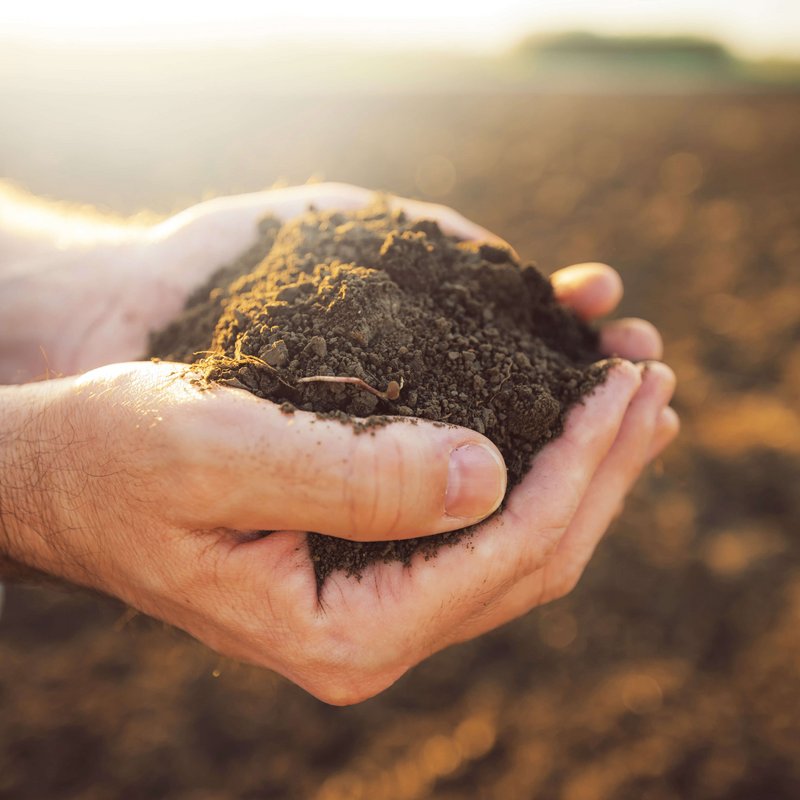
[[129, 480]]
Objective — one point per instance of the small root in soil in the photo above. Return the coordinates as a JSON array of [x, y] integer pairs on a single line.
[[392, 389]]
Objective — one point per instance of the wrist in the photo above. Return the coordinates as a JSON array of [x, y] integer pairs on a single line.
[[29, 470]]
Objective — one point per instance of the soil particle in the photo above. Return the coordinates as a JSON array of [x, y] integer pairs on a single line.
[[424, 326]]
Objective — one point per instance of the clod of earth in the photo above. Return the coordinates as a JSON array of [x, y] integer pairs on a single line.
[[325, 309]]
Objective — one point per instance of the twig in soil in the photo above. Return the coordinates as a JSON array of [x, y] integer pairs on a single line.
[[244, 359], [392, 389], [502, 382]]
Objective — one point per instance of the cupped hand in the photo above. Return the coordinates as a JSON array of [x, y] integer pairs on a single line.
[[152, 490]]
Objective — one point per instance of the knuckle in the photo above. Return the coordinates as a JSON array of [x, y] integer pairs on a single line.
[[539, 551], [549, 538], [361, 488], [563, 584], [348, 690], [571, 580], [346, 677]]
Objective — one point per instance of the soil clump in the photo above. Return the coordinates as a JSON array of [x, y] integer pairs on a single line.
[[424, 325]]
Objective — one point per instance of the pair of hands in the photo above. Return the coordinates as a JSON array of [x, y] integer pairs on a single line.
[[130, 480]]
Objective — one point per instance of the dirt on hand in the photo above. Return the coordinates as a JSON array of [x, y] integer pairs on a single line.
[[420, 325]]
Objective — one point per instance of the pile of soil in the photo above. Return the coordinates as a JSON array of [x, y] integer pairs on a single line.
[[439, 329]]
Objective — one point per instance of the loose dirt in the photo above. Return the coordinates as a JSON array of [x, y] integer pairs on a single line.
[[421, 324]]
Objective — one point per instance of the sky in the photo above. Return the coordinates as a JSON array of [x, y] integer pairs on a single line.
[[755, 28]]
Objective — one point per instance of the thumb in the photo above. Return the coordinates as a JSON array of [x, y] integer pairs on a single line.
[[260, 468]]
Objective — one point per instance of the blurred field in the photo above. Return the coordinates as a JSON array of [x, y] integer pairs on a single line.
[[672, 671]]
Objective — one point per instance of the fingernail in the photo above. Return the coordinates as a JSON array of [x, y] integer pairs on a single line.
[[476, 481]]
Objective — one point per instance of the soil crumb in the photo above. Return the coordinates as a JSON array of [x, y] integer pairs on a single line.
[[444, 330]]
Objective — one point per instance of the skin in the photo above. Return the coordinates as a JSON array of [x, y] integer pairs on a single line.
[[127, 479]]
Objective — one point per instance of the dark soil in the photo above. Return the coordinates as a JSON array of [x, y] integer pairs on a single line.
[[443, 330]]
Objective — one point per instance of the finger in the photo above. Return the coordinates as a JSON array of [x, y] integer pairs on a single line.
[[243, 211], [591, 290], [250, 466], [206, 235], [636, 339], [549, 495], [292, 201], [450, 221], [247, 209], [465, 579], [615, 477], [667, 429], [640, 430], [210, 233]]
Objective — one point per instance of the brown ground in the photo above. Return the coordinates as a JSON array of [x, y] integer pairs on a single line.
[[672, 671], [433, 328]]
